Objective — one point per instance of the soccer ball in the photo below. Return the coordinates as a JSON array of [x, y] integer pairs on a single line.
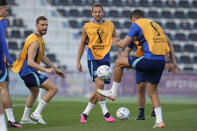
[[104, 72], [123, 113]]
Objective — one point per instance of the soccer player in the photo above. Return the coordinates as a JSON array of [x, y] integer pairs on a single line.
[[5, 96], [141, 78], [155, 46], [100, 33], [28, 66]]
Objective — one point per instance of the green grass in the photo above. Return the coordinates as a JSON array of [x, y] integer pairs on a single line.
[[179, 114]]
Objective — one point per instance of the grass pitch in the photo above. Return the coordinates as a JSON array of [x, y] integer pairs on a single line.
[[179, 114]]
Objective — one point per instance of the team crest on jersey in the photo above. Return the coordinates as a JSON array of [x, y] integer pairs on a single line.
[[100, 33]]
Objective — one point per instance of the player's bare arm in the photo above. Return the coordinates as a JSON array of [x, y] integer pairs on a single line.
[[81, 49], [126, 52], [31, 56], [115, 35], [47, 62], [123, 43]]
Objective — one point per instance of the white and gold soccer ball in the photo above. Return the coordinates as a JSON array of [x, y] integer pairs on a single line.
[[104, 72], [123, 113]]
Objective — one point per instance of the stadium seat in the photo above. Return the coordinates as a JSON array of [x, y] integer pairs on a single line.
[[177, 48], [192, 14], [184, 3], [74, 12], [127, 24], [22, 44], [188, 69], [11, 2], [195, 59], [105, 2], [166, 14], [10, 13], [27, 33], [144, 3], [62, 12], [194, 25], [131, 3], [87, 13], [15, 34], [12, 45], [153, 14], [169, 36], [122, 35], [13, 56], [52, 57], [185, 25], [157, 3], [126, 13], [89, 2], [179, 14], [171, 25], [64, 2], [18, 22], [77, 2], [189, 48], [185, 59], [118, 3], [193, 36], [113, 58], [117, 24], [83, 22], [194, 3], [54, 2], [170, 3], [180, 37], [74, 24], [114, 13]]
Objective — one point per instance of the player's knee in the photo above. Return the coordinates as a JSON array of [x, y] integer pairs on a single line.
[[55, 89]]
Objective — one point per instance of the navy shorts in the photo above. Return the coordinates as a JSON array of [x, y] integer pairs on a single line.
[[3, 73], [93, 65], [34, 79], [153, 69], [140, 76]]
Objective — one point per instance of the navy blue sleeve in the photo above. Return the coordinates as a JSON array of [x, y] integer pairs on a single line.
[[131, 45], [134, 30], [3, 25]]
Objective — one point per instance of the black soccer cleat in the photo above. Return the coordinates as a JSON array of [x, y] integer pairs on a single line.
[[140, 117]]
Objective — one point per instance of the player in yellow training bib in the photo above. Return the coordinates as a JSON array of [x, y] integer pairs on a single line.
[[156, 46], [99, 33]]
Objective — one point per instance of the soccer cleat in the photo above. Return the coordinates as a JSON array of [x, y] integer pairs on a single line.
[[82, 119], [27, 121], [107, 93], [38, 118], [14, 124], [159, 125], [140, 117], [152, 114], [110, 119]]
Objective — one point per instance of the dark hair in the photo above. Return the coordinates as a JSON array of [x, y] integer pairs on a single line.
[[137, 14], [97, 5], [3, 2], [40, 18]]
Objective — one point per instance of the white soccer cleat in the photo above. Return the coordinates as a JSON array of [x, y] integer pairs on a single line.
[[159, 125], [107, 94], [38, 118], [27, 121]]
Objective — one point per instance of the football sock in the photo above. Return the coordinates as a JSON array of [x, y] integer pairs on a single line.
[[89, 107], [115, 87], [10, 115], [26, 113], [103, 107], [40, 107], [3, 126], [141, 111], [107, 115], [158, 113], [85, 116]]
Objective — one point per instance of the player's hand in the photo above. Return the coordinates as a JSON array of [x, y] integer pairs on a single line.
[[168, 67], [50, 70], [115, 41], [174, 68], [60, 73], [79, 67]]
